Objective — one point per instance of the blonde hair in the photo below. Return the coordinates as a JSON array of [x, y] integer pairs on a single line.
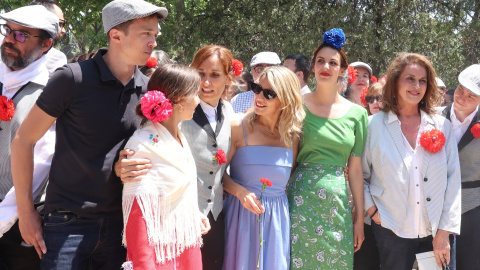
[[287, 87]]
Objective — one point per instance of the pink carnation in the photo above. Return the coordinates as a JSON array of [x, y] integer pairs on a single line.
[[155, 106]]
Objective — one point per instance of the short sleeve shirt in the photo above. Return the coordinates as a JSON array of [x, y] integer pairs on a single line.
[[95, 117], [333, 141]]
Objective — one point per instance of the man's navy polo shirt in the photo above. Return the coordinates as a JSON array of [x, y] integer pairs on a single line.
[[95, 117]]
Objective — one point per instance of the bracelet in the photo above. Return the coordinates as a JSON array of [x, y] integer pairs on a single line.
[[376, 210]]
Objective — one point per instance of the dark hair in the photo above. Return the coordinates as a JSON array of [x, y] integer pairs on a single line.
[[450, 92], [162, 59], [343, 56], [301, 64], [390, 90], [48, 4], [248, 77], [177, 82]]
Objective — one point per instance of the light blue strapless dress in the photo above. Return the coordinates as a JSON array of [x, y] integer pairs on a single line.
[[248, 165]]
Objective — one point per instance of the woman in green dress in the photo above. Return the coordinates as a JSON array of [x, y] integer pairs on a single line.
[[334, 133]]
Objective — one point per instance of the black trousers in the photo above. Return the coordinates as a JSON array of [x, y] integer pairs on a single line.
[[367, 258], [397, 253], [468, 242], [15, 254], [214, 243]]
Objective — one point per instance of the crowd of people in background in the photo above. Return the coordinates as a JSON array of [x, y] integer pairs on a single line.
[[229, 168]]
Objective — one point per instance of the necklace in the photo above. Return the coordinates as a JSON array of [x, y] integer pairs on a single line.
[[268, 132]]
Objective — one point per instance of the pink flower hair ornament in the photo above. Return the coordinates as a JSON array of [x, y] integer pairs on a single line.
[[155, 106]]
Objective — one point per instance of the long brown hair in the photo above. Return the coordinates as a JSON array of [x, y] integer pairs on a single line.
[[390, 90]]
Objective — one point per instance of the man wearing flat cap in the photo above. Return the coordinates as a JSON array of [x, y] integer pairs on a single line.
[[93, 103], [28, 35], [465, 118]]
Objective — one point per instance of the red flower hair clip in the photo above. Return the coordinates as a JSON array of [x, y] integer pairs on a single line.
[[155, 106], [363, 95], [152, 62], [220, 157], [352, 74], [476, 130], [432, 140], [237, 67], [7, 108], [374, 79]]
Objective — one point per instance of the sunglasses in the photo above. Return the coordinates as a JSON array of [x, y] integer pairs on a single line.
[[371, 99], [267, 93], [17, 35]]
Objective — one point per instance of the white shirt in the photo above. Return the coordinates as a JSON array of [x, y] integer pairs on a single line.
[[459, 128], [305, 90], [42, 157], [210, 113], [418, 225]]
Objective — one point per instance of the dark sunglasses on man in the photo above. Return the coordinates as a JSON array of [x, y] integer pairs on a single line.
[[371, 99], [17, 35], [267, 93]]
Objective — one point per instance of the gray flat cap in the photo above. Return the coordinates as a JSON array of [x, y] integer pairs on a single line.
[[364, 65], [35, 17], [120, 11], [269, 58], [470, 79]]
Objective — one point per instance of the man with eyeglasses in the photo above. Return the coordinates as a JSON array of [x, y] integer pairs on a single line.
[[29, 33], [55, 58], [260, 61]]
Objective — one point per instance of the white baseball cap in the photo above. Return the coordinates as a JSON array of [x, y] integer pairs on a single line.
[[269, 58]]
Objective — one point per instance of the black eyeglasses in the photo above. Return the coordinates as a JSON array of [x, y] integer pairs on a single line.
[[17, 35], [62, 23], [371, 99], [267, 93]]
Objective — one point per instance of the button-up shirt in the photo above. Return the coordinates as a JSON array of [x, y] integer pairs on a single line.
[[210, 112], [459, 128]]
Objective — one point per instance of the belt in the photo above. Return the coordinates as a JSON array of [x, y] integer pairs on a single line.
[[471, 184]]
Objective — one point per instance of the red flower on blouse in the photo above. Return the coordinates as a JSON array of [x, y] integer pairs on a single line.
[[363, 95], [476, 130], [266, 182], [352, 74], [7, 108], [220, 157], [237, 67], [432, 140]]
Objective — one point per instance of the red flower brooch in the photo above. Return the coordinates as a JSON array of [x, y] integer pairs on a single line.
[[363, 95], [352, 74], [220, 157], [476, 130], [155, 106], [7, 108], [432, 140], [237, 67], [152, 62]]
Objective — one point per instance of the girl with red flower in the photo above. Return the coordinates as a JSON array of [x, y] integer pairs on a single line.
[[411, 161], [361, 80], [162, 221], [264, 146]]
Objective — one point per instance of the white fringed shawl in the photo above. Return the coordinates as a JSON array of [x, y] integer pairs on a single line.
[[167, 195]]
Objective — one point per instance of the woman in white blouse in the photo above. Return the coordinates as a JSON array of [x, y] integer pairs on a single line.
[[411, 159]]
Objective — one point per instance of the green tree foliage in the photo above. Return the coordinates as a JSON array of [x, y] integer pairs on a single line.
[[447, 31]]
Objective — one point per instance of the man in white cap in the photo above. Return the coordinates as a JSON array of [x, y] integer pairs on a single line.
[[93, 103], [29, 33], [465, 118], [260, 61]]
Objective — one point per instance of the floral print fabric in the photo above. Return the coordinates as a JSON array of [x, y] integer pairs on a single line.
[[321, 231]]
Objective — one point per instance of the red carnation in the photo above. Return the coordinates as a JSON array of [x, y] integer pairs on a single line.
[[476, 130], [363, 95], [237, 67], [374, 79], [432, 140], [352, 74], [7, 108], [266, 182], [152, 62], [220, 157]]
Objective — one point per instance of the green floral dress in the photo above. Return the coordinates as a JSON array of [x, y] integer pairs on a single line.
[[321, 220]]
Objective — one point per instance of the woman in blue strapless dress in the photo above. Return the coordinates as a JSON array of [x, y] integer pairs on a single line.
[[264, 145]]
